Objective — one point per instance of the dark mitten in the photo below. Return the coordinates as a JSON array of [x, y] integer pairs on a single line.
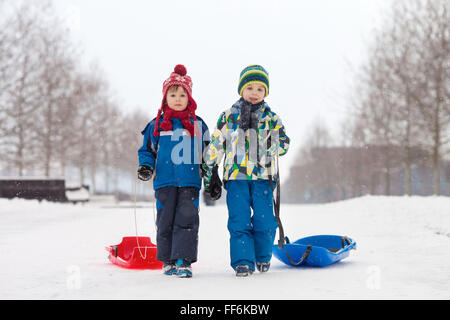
[[145, 173], [215, 187]]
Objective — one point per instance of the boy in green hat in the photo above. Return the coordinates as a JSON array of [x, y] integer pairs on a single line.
[[250, 136]]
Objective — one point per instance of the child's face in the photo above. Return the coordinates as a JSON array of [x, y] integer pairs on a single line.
[[177, 98], [254, 93]]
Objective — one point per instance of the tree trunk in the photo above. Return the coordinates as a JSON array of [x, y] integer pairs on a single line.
[[388, 176], [436, 171], [93, 181], [408, 147], [81, 175], [408, 174]]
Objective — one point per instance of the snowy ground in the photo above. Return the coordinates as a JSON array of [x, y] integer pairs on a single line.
[[55, 251]]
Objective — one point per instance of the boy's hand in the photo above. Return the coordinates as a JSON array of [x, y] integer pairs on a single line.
[[215, 186], [145, 173]]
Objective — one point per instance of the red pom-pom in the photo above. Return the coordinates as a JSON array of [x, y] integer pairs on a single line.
[[181, 70]]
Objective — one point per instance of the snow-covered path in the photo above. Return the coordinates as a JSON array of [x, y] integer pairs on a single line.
[[56, 251]]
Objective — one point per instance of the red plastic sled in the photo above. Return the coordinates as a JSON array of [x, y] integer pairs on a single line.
[[127, 254]]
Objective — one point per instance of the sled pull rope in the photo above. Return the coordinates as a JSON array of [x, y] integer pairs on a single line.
[[276, 204], [143, 256]]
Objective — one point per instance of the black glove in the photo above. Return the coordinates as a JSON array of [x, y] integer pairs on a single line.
[[145, 173], [215, 185]]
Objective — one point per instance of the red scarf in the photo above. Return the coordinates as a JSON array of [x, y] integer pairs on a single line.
[[185, 116]]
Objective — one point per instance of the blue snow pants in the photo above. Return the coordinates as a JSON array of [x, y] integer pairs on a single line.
[[177, 223], [251, 236]]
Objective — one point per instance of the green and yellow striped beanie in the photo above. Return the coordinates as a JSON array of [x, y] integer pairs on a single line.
[[253, 74]]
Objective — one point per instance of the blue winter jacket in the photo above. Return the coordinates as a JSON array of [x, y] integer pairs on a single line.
[[175, 157]]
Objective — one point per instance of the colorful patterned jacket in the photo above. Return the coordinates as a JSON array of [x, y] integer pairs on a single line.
[[248, 155]]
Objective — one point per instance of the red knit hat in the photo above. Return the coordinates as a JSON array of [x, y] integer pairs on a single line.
[[178, 78]]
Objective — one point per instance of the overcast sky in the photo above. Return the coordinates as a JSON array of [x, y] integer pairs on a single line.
[[304, 45]]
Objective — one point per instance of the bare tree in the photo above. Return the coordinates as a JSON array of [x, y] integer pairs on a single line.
[[53, 114], [396, 63], [399, 110], [19, 76], [404, 99], [129, 141], [317, 177], [67, 117], [432, 85], [378, 111], [85, 101], [57, 59], [105, 121]]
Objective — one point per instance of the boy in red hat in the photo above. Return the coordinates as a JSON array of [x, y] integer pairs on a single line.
[[172, 153]]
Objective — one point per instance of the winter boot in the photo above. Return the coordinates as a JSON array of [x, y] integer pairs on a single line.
[[184, 269], [263, 266], [243, 270], [169, 268]]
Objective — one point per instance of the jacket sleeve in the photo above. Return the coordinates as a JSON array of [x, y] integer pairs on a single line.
[[214, 152], [278, 133], [205, 144], [147, 153]]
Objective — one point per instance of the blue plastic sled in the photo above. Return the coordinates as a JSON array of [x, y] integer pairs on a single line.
[[315, 251]]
